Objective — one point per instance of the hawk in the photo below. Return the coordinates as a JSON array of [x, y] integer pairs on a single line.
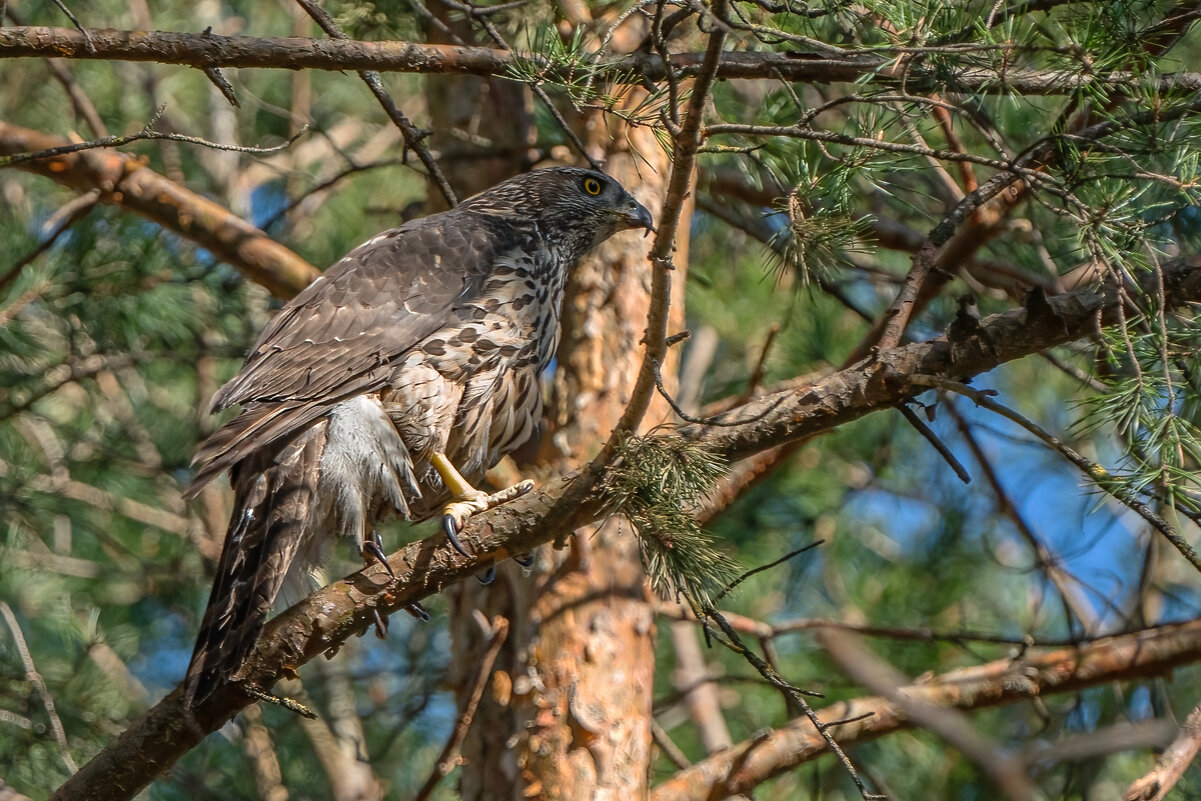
[[389, 386]]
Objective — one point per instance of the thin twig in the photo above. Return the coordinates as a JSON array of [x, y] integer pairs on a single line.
[[413, 136], [146, 133], [667, 746], [498, 631], [535, 86], [35, 678], [1074, 605], [223, 86], [735, 643], [79, 100], [940, 446], [951, 725], [87, 36], [74, 211], [729, 587], [1100, 476]]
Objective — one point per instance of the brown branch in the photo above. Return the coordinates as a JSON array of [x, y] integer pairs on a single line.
[[1049, 564], [686, 140], [210, 50], [414, 137], [39, 684], [498, 630], [82, 104], [1101, 477], [877, 675], [347, 607], [1149, 652], [1171, 766], [124, 181]]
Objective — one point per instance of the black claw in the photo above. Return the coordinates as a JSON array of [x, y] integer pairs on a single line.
[[418, 611], [452, 533], [487, 577], [381, 624], [373, 549], [525, 560]]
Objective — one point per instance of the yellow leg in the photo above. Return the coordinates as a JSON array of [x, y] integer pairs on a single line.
[[467, 500]]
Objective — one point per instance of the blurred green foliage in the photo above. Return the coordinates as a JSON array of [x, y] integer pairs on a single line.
[[112, 341]]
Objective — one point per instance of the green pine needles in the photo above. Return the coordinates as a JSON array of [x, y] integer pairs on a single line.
[[659, 484]]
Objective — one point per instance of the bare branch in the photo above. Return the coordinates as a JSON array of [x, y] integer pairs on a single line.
[[414, 137], [1102, 477], [872, 672], [198, 50], [1038, 673], [1171, 766], [124, 181], [35, 678], [498, 630]]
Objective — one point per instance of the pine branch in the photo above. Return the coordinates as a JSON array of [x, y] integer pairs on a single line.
[[332, 615], [209, 50], [124, 181]]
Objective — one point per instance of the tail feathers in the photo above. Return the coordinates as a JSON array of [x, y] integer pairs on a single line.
[[272, 508]]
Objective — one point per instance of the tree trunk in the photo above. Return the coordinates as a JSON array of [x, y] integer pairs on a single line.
[[568, 712]]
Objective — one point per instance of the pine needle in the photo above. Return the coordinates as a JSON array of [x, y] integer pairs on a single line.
[[659, 485]]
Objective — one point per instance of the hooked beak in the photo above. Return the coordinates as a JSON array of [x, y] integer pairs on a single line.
[[639, 217]]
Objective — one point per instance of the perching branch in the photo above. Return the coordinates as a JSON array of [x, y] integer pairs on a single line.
[[332, 615]]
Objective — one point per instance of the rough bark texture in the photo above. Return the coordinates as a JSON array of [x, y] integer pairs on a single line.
[[570, 711]]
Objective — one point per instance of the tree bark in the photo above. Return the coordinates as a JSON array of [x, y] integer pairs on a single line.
[[569, 715]]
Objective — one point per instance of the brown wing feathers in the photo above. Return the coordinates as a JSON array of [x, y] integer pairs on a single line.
[[334, 341], [271, 506]]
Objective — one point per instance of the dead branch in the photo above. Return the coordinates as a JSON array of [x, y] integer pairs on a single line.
[[210, 50], [1136, 655], [1171, 766], [951, 725], [124, 181]]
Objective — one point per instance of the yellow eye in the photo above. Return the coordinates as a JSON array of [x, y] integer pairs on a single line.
[[592, 186]]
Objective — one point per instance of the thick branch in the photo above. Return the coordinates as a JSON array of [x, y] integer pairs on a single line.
[[345, 608], [124, 181], [210, 50], [740, 769]]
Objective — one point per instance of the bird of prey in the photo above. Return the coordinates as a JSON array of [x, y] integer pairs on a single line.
[[389, 386]]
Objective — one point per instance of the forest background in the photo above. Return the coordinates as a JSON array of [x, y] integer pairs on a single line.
[[937, 264]]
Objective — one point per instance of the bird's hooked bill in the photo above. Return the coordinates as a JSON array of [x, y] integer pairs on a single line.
[[640, 217]]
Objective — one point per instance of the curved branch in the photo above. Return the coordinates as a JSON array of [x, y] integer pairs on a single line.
[[124, 181], [741, 768], [324, 620]]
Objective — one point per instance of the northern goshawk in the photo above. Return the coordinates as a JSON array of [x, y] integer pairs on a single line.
[[389, 386]]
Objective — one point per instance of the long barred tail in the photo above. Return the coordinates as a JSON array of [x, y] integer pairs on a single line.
[[271, 507]]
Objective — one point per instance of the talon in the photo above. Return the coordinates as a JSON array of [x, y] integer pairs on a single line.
[[372, 548], [381, 624], [467, 500], [418, 611], [451, 526], [487, 577], [524, 560]]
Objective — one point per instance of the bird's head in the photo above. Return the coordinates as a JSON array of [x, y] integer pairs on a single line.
[[582, 207]]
